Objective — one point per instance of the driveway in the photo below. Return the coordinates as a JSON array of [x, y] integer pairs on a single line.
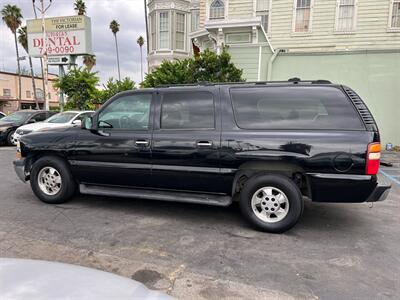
[[337, 251]]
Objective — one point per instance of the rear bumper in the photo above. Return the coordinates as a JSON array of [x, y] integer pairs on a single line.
[[380, 193], [347, 188], [19, 168]]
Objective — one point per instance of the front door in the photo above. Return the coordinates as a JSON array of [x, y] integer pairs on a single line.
[[186, 140], [119, 154]]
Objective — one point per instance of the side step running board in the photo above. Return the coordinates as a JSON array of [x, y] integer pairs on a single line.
[[216, 200]]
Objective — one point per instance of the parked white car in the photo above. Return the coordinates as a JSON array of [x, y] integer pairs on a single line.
[[36, 279], [67, 118]]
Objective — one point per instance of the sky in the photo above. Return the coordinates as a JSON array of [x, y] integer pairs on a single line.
[[128, 13]]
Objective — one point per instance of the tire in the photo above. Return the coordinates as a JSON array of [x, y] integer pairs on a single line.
[[277, 204], [56, 184], [10, 138]]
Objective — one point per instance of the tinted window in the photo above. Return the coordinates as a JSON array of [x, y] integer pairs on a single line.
[[187, 110], [40, 117], [127, 112], [294, 108]]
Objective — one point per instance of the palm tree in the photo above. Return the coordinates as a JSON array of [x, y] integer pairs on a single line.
[[80, 7], [140, 42], [114, 26], [23, 40], [12, 16], [89, 61]]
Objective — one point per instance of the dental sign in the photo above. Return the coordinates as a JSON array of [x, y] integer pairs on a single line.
[[65, 36]]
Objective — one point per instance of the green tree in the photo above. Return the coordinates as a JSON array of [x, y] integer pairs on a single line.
[[89, 61], [140, 42], [114, 26], [12, 16], [80, 87], [23, 40], [113, 87], [207, 66], [80, 7]]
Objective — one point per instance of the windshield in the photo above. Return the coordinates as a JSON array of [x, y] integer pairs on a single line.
[[18, 116], [61, 117]]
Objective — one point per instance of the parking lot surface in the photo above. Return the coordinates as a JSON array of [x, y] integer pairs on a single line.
[[337, 251]]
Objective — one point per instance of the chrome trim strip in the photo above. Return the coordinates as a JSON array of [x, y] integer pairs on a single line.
[[149, 166], [86, 163], [340, 176]]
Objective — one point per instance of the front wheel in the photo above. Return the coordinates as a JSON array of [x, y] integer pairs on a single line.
[[271, 203], [51, 180], [11, 141]]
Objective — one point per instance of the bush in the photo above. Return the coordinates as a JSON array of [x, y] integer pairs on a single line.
[[207, 66]]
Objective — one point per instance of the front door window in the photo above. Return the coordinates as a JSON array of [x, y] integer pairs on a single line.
[[131, 112]]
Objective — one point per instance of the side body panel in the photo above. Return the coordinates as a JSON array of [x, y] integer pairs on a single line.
[[340, 154]]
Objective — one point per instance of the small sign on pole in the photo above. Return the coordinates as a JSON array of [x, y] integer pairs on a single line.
[[58, 60]]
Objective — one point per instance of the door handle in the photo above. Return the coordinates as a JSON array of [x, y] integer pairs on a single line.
[[141, 143], [204, 144]]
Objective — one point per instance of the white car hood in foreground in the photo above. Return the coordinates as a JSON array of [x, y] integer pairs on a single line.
[[41, 125], [36, 279]]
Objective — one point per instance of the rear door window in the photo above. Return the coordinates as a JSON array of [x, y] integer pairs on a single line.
[[187, 110], [40, 117], [294, 108]]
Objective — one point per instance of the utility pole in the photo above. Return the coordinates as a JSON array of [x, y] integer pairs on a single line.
[[43, 10], [41, 60]]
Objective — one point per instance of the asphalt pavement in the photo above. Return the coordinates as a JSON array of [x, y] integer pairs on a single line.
[[337, 251]]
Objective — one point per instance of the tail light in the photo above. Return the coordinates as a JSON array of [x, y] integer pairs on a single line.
[[373, 158]]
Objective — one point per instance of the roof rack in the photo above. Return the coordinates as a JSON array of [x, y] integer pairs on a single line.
[[294, 80]]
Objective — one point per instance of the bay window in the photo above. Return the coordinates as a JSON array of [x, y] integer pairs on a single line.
[[180, 31], [164, 30]]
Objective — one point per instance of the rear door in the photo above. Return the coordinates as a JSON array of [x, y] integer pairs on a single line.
[[186, 140]]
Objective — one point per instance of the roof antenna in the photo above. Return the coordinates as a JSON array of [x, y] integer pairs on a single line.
[[294, 79]]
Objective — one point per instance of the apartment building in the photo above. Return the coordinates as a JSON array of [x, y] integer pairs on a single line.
[[354, 42], [9, 101]]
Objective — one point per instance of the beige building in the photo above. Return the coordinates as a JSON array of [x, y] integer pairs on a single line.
[[9, 101]]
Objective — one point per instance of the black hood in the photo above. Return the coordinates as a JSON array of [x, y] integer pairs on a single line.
[[9, 124]]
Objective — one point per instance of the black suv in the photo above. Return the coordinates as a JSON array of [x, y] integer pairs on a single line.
[[10, 123], [264, 144]]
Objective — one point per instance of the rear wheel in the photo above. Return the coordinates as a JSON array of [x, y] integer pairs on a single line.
[[51, 180], [11, 141], [271, 203]]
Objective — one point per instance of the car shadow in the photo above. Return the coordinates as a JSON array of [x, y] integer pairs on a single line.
[[317, 217]]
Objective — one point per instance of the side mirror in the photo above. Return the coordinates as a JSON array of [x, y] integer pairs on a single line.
[[31, 121], [86, 123], [77, 122]]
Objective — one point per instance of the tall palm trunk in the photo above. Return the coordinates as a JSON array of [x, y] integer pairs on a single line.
[[33, 83], [141, 63], [19, 69], [116, 47]]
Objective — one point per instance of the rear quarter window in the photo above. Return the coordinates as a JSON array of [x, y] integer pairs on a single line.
[[294, 108]]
